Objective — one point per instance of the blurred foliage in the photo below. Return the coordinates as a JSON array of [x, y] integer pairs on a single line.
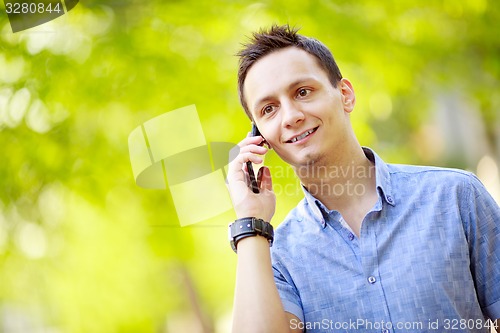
[[83, 249]]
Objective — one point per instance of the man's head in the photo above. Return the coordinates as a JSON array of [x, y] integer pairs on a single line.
[[296, 97], [278, 38]]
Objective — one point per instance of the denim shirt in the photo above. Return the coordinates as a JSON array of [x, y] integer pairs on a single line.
[[427, 259]]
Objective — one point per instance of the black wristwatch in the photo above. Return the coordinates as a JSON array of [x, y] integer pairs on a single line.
[[247, 227]]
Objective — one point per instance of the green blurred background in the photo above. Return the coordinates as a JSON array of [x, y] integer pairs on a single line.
[[83, 249]]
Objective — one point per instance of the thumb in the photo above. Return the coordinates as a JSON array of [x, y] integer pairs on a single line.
[[264, 179]]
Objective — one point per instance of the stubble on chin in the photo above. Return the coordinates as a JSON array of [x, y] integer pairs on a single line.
[[309, 163]]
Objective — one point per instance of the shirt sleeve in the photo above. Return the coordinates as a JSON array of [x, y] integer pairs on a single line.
[[482, 226], [288, 292]]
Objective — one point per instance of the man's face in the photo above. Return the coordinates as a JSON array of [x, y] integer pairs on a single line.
[[296, 108]]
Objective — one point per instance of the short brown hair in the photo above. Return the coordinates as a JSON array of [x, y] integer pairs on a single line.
[[276, 38]]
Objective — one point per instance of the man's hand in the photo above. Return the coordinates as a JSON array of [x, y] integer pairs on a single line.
[[245, 202], [257, 305]]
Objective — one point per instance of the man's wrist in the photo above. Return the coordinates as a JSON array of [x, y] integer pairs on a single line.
[[252, 246], [249, 227]]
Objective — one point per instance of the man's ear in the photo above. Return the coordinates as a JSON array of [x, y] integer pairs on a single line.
[[348, 96]]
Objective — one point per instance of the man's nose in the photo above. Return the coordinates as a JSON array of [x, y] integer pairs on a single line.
[[291, 113]]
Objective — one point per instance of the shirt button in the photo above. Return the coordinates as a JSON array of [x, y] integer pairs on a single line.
[[351, 236], [389, 199], [385, 330], [372, 279]]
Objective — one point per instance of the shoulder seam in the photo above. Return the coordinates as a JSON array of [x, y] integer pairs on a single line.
[[425, 169]]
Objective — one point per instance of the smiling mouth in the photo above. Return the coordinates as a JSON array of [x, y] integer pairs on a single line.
[[302, 136]]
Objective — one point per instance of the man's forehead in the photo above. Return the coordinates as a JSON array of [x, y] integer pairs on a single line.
[[285, 56], [279, 70]]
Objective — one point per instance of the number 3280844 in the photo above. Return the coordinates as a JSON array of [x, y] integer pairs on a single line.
[[32, 8]]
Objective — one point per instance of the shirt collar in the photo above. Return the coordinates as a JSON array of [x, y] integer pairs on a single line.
[[382, 176], [383, 184]]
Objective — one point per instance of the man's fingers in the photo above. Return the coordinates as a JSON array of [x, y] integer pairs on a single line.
[[248, 150], [264, 179], [240, 155], [237, 164], [256, 140], [253, 149]]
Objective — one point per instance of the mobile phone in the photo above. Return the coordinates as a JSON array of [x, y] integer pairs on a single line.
[[251, 174]]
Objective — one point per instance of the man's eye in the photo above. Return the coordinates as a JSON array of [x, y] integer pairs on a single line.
[[267, 109], [303, 92]]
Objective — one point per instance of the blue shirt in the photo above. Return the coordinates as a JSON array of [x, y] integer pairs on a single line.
[[427, 259]]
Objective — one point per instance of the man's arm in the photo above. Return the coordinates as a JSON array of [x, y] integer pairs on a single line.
[[482, 216], [257, 304]]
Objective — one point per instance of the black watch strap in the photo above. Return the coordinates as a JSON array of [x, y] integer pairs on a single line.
[[248, 227]]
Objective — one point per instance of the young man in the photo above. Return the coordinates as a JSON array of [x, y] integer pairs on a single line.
[[373, 247]]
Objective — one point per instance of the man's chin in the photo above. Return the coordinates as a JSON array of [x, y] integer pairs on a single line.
[[308, 160], [302, 159]]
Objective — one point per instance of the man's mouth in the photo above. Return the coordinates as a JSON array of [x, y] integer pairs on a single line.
[[302, 136]]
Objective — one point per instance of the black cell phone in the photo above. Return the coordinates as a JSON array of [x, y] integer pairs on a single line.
[[251, 174]]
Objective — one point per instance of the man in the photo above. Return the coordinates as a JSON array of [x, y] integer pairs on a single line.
[[372, 247]]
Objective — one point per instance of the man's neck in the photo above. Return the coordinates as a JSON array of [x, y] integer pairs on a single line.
[[341, 182]]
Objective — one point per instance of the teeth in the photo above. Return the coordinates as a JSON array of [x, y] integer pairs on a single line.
[[300, 137]]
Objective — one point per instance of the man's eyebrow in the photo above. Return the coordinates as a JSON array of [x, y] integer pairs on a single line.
[[290, 86]]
